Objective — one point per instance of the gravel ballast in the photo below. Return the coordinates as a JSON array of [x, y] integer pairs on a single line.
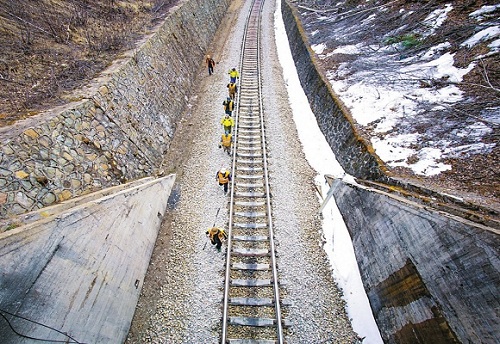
[[181, 299]]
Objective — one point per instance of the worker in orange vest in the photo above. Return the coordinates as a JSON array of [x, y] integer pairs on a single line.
[[232, 89], [228, 106], [223, 176], [216, 236], [226, 141]]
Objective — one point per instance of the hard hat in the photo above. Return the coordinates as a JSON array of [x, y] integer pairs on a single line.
[[234, 68]]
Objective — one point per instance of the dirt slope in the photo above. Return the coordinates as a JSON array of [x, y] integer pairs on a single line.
[[50, 47]]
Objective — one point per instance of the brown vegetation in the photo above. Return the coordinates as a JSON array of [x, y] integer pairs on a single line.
[[50, 47], [473, 175]]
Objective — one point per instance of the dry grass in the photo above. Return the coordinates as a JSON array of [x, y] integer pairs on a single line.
[[50, 47]]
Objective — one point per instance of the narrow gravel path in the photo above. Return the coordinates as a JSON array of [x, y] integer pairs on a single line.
[[181, 300]]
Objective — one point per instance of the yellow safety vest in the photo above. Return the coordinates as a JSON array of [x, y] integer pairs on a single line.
[[227, 122]]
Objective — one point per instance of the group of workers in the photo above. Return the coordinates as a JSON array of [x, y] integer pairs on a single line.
[[223, 176]]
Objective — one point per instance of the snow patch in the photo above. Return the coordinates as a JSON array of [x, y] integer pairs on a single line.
[[318, 48], [483, 35], [479, 14], [348, 49], [435, 19]]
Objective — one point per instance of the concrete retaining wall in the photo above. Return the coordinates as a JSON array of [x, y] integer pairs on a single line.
[[80, 270], [430, 277], [121, 125]]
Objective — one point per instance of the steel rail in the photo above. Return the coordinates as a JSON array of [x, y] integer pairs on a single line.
[[248, 57], [231, 199]]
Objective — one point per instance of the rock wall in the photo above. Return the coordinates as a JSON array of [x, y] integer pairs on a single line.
[[121, 124], [430, 277], [353, 153]]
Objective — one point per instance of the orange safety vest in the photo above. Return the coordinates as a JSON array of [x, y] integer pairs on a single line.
[[228, 105], [232, 88], [226, 140], [217, 231], [223, 177]]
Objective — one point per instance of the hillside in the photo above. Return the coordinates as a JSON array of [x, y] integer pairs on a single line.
[[448, 142], [51, 47], [422, 81]]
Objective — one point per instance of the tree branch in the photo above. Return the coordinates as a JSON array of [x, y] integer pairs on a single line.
[[28, 23]]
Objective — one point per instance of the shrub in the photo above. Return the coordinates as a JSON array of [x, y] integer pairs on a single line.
[[407, 41]]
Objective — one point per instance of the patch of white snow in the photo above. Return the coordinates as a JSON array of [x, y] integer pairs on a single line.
[[318, 48], [348, 49], [479, 14], [435, 19], [483, 35]]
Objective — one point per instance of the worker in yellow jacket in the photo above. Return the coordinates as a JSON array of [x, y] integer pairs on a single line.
[[227, 122], [216, 236], [233, 75]]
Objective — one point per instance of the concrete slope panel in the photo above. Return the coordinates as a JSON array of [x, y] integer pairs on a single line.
[[80, 272], [430, 277]]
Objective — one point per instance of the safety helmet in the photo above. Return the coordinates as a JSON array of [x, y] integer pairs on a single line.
[[234, 68]]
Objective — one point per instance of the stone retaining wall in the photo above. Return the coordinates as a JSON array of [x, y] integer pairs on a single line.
[[120, 127], [352, 151], [430, 277]]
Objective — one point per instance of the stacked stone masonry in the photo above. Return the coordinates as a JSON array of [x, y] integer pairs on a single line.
[[120, 128]]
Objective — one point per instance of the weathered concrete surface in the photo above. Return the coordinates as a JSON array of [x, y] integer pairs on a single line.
[[430, 277], [81, 271]]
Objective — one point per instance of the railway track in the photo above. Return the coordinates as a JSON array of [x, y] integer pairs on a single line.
[[252, 307]]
